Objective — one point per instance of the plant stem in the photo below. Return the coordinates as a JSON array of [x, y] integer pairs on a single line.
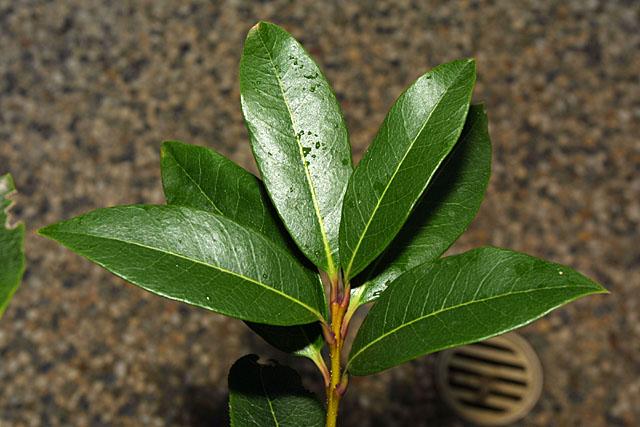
[[338, 380]]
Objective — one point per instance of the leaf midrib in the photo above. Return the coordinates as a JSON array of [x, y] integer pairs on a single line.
[[264, 390], [223, 270], [454, 307], [395, 172], [314, 198]]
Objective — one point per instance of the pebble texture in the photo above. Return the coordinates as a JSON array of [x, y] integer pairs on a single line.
[[88, 90]]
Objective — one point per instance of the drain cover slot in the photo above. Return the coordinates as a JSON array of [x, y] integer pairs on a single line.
[[494, 382]]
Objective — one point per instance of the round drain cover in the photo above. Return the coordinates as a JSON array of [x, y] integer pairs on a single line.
[[494, 382]]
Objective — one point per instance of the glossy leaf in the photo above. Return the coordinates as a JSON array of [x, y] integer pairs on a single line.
[[299, 139], [198, 258], [12, 260], [201, 178], [459, 300], [270, 396], [416, 136], [299, 340], [444, 212]]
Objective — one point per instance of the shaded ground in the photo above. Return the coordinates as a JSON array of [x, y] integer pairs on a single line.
[[88, 91]]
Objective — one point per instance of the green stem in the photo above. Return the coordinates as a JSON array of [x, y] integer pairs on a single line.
[[338, 379]]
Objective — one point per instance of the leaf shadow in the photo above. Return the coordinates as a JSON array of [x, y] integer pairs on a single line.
[[206, 406], [182, 403], [403, 397], [311, 379]]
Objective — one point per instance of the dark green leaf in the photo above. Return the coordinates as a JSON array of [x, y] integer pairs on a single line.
[[11, 247], [199, 258], [300, 340], [299, 139], [416, 136], [200, 178], [444, 212], [270, 395], [459, 300]]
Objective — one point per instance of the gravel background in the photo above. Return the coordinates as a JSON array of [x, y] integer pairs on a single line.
[[88, 90]]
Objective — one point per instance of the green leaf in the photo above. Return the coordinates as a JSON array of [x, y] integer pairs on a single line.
[[12, 260], [199, 258], [416, 136], [201, 178], [270, 395], [300, 340], [459, 300], [443, 213], [299, 139]]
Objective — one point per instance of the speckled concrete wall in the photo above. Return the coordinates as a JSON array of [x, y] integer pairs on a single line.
[[88, 90]]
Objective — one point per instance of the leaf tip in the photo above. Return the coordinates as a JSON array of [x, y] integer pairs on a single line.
[[480, 106], [469, 63], [165, 148], [170, 143], [48, 231], [260, 25], [264, 26], [256, 26], [7, 189], [601, 290], [7, 185]]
